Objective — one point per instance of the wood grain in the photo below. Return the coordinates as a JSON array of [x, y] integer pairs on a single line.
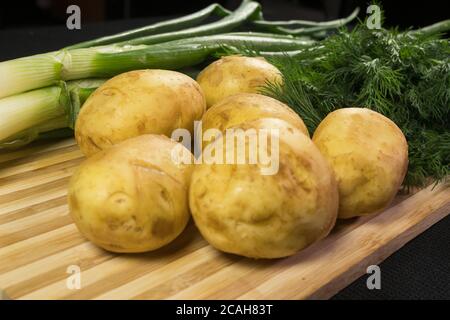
[[38, 242]]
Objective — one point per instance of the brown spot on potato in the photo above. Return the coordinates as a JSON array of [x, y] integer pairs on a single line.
[[202, 194], [141, 126], [93, 144], [224, 115], [215, 223], [165, 195], [118, 197], [162, 227], [113, 224]]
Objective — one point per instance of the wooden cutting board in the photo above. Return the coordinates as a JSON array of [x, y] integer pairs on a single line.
[[39, 245]]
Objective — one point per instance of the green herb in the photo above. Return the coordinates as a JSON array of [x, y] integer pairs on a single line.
[[403, 75]]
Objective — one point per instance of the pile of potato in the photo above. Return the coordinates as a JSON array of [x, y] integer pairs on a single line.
[[131, 196]]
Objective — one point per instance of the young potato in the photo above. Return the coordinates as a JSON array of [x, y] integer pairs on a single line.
[[135, 103], [240, 108], [369, 156], [239, 210], [131, 197], [236, 74]]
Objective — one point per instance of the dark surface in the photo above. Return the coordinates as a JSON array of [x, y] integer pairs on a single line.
[[419, 270], [29, 13]]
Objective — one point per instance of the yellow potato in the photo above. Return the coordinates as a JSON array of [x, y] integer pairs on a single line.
[[131, 197], [135, 103], [236, 74], [239, 210], [240, 108], [369, 156]]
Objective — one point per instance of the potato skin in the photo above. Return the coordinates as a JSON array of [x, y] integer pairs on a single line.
[[369, 156], [138, 102], [240, 211], [236, 74], [240, 108], [131, 197]]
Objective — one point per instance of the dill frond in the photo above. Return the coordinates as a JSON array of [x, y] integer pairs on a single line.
[[403, 75]]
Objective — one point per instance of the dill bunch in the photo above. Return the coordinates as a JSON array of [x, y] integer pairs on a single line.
[[403, 75]]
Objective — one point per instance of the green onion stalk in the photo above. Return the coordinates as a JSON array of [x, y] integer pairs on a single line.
[[248, 16], [157, 28], [46, 69], [303, 27], [40, 95], [79, 61], [29, 114], [43, 113]]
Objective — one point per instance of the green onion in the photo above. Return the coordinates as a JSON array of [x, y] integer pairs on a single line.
[[41, 95], [27, 73], [33, 72], [436, 28], [246, 11], [47, 69], [32, 109], [36, 132], [30, 115], [79, 91], [307, 27], [157, 28], [317, 30]]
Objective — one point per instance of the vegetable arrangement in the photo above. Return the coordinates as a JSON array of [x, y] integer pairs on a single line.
[[132, 195], [357, 93], [172, 44], [402, 75]]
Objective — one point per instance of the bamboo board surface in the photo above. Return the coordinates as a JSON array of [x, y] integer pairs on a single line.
[[38, 243]]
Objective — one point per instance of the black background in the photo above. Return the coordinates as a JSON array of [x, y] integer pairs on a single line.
[[420, 270], [30, 13]]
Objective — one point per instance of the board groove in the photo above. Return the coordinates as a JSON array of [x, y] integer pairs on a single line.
[[32, 209], [8, 169], [38, 247], [21, 229], [35, 149], [29, 179]]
